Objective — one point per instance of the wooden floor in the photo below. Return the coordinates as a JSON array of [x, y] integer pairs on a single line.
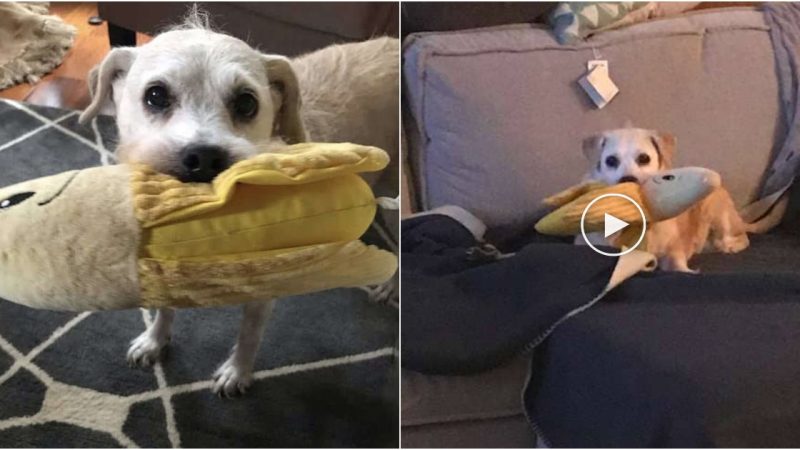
[[66, 86]]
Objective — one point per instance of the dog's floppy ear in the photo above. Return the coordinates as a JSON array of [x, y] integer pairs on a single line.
[[286, 97], [593, 147], [115, 64], [665, 145]]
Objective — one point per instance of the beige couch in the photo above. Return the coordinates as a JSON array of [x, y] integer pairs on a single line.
[[494, 121]]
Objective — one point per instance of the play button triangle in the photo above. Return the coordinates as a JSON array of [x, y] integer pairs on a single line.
[[611, 225]]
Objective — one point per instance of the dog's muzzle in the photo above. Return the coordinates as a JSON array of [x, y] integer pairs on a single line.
[[202, 163]]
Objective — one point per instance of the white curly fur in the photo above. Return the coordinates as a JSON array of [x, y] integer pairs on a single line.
[[342, 93]]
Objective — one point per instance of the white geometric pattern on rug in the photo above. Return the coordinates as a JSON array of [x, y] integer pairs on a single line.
[[106, 157], [105, 412]]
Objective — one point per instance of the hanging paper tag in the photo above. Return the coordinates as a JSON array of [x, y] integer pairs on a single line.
[[597, 83], [597, 63]]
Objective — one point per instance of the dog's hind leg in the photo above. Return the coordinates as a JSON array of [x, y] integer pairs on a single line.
[[384, 293], [235, 375], [146, 349], [728, 231]]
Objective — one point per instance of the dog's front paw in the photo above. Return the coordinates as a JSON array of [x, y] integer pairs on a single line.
[[674, 263], [232, 379], [146, 349], [382, 293], [732, 244]]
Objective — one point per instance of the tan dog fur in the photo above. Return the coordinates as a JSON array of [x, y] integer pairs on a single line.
[[676, 240]]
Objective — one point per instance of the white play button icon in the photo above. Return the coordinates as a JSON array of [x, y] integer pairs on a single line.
[[612, 225]]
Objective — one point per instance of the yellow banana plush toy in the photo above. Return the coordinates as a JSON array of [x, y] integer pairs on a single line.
[[663, 196], [115, 237]]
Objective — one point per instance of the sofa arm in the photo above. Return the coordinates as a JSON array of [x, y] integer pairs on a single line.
[[284, 28]]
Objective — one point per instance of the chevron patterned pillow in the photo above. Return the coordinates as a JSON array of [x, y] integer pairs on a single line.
[[574, 21]]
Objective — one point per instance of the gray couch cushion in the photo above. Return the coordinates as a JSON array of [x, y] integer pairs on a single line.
[[501, 432], [431, 399], [499, 116]]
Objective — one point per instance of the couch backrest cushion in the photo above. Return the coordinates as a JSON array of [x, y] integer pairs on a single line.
[[500, 119]]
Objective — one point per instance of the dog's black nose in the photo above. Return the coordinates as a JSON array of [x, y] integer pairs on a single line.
[[202, 163], [628, 179]]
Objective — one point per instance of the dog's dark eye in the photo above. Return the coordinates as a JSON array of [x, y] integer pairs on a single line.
[[15, 199], [245, 106], [643, 159], [157, 98], [612, 161], [668, 177]]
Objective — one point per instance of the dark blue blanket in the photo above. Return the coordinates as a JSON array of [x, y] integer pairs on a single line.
[[664, 360], [675, 361], [465, 311]]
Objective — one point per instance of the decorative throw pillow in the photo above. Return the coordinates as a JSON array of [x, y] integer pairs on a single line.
[[574, 21]]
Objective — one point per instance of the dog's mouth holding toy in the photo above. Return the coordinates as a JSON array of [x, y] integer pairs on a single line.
[[663, 196], [125, 236]]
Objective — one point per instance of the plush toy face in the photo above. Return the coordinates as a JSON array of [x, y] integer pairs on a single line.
[[668, 193], [35, 194], [70, 236]]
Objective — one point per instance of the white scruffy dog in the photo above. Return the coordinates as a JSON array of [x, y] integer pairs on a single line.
[[193, 101]]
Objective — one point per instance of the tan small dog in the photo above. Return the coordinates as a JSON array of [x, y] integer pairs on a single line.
[[635, 154]]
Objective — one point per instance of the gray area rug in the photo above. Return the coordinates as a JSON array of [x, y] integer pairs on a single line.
[[326, 375]]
